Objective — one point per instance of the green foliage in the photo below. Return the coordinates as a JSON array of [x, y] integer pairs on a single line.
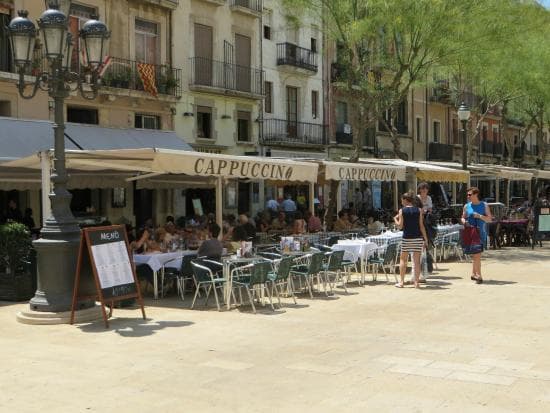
[[15, 246]]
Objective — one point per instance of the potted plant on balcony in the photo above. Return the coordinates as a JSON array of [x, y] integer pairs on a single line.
[[16, 280], [167, 83]]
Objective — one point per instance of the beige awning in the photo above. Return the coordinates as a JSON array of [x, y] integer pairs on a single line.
[[506, 172], [540, 173], [425, 171], [165, 161], [348, 171]]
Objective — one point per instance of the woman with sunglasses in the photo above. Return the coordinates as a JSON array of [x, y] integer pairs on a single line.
[[476, 213]]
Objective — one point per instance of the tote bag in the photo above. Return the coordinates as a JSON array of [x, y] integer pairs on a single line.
[[471, 241]]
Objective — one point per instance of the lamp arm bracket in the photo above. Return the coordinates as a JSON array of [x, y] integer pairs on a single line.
[[22, 85]]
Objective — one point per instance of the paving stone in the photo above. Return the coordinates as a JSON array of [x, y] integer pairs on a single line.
[[459, 367], [227, 364], [482, 378], [503, 364], [420, 371], [405, 361]]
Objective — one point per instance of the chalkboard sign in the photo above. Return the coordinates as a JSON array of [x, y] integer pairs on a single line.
[[112, 267], [542, 224]]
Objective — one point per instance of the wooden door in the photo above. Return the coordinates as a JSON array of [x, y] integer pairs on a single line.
[[292, 111], [243, 60], [202, 66]]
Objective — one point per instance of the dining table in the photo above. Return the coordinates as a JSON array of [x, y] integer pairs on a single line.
[[158, 261], [234, 261], [357, 249]]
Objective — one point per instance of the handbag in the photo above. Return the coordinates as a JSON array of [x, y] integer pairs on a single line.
[[471, 241]]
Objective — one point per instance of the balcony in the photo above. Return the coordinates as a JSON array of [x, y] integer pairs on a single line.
[[123, 74], [247, 7], [219, 77], [170, 4], [215, 2], [289, 54], [440, 152], [284, 132]]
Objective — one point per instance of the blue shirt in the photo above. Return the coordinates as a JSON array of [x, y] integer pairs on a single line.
[[476, 222], [288, 205]]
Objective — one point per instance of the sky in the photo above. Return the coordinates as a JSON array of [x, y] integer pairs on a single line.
[[545, 3]]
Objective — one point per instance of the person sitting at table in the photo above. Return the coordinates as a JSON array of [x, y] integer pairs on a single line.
[[374, 226], [279, 223], [299, 226], [264, 223], [245, 231], [171, 234], [354, 220], [342, 223], [313, 222], [212, 248]]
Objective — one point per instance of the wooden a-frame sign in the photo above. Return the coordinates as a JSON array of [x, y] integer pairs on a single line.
[[112, 267]]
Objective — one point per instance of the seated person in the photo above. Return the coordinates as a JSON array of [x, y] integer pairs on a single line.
[[299, 226], [171, 234], [245, 231], [212, 248], [313, 222], [279, 223], [342, 223], [264, 223], [354, 221], [374, 226]]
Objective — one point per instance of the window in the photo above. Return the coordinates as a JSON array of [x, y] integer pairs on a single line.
[[495, 134], [314, 45], [268, 97], [142, 121], [79, 15], [437, 131], [81, 115], [146, 42], [267, 32], [341, 114], [204, 122], [5, 108], [243, 126], [419, 129], [314, 104]]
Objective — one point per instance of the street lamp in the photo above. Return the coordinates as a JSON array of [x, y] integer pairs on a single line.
[[464, 116], [57, 249]]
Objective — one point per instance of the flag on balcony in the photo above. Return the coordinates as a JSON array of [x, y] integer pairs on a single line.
[[147, 76], [104, 66]]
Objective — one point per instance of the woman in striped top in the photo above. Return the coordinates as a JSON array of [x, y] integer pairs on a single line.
[[410, 219]]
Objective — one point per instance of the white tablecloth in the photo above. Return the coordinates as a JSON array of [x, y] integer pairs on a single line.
[[386, 238], [355, 249], [447, 229], [163, 259]]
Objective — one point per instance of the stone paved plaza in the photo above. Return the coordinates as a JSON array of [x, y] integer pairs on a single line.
[[452, 346]]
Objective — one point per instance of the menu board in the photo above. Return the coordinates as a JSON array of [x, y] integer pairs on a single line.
[[112, 268], [112, 262], [542, 225]]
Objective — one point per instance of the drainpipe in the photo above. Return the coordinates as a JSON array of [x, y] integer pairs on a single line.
[[413, 123], [426, 124]]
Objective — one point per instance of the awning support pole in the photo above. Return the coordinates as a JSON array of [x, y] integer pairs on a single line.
[[507, 193], [311, 198], [497, 190], [339, 197], [395, 196], [46, 185], [219, 204], [455, 201]]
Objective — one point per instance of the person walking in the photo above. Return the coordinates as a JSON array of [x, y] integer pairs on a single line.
[[476, 214], [410, 220]]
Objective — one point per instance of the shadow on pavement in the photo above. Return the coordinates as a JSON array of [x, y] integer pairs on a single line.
[[132, 327], [498, 282]]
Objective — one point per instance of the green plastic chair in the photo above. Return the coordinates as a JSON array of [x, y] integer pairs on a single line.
[[280, 278], [386, 262], [307, 273], [334, 268], [255, 277], [204, 278]]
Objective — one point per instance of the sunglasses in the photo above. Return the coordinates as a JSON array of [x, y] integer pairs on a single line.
[[469, 194]]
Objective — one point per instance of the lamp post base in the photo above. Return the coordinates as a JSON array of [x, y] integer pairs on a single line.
[[51, 318], [56, 268]]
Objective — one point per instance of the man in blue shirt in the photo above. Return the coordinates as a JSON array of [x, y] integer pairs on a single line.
[[289, 207]]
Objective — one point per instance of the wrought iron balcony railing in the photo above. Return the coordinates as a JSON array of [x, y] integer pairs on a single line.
[[123, 74], [292, 55], [281, 131], [252, 5], [226, 76]]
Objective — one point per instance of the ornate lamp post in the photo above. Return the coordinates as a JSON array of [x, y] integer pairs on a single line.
[[464, 116], [57, 249]]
